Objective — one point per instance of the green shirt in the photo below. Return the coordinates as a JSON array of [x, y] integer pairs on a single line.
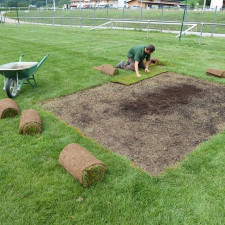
[[138, 53]]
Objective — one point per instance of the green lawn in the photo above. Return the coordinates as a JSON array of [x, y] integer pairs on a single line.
[[35, 189]]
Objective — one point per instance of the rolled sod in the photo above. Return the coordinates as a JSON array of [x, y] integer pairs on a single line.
[[215, 72], [154, 61], [30, 122], [81, 164], [107, 69], [8, 108]]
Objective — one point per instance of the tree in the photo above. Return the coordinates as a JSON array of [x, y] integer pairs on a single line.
[[22, 4], [12, 3]]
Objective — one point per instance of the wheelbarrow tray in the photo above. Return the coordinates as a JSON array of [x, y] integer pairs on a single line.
[[20, 69]]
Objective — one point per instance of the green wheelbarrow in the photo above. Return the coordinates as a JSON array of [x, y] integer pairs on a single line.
[[19, 71]]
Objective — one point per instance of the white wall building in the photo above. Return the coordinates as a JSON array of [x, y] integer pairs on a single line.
[[216, 3]]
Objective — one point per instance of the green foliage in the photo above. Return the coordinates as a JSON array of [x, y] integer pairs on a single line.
[[35, 189]]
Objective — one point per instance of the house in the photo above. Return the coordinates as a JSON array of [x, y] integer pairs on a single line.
[[93, 3], [154, 3], [217, 3]]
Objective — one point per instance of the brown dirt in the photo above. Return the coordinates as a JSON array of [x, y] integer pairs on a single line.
[[156, 122]]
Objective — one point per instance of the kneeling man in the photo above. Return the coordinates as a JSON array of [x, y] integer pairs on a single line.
[[136, 56]]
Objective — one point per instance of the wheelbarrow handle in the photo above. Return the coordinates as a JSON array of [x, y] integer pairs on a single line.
[[21, 56], [40, 63]]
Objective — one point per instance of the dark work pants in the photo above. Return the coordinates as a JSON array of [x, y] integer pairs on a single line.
[[130, 64]]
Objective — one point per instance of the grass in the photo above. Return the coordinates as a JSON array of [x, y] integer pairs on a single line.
[[35, 189]]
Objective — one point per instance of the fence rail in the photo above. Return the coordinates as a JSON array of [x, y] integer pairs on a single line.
[[103, 19]]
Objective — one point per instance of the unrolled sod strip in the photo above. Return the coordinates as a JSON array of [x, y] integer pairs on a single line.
[[81, 164], [30, 122], [215, 72], [8, 108]]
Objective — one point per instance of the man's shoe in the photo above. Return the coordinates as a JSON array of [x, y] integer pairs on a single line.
[[120, 65]]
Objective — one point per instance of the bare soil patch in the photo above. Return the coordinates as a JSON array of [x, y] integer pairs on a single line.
[[155, 122]]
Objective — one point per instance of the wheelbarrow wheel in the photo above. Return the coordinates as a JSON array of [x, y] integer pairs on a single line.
[[11, 88]]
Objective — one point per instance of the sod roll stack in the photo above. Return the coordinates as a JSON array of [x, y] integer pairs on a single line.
[[81, 164], [215, 72], [30, 122], [8, 108]]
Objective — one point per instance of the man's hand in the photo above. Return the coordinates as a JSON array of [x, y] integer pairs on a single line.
[[136, 69], [146, 66]]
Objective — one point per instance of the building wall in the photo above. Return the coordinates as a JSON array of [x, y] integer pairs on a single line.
[[218, 3], [93, 3]]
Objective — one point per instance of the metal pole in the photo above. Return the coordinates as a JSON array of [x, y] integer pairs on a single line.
[[148, 31], [141, 17], [61, 17], [185, 19], [53, 21], [182, 24], [1, 17], [200, 38], [17, 13], [162, 17], [44, 15], [214, 20], [123, 18], [54, 5], [203, 9], [71, 15], [111, 26], [94, 16], [81, 17]]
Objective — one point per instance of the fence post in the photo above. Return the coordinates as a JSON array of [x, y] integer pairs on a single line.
[[80, 18], [94, 16], [71, 15], [111, 26], [185, 19], [214, 20], [200, 38], [162, 17], [148, 31], [17, 13], [1, 17], [141, 18], [61, 17], [123, 18], [53, 20]]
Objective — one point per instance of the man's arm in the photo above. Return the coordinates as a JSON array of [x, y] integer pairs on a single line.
[[137, 69], [146, 66]]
